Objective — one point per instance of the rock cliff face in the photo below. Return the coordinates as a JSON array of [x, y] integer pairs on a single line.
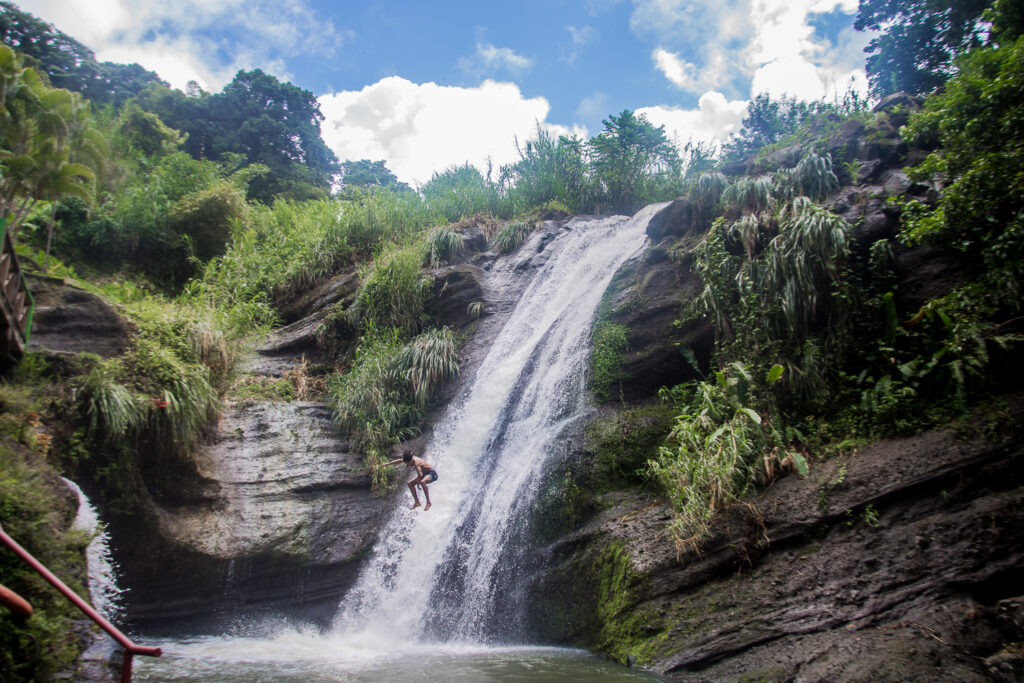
[[903, 561], [277, 517], [70, 320]]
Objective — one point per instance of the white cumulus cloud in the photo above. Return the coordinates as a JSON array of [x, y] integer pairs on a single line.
[[769, 43], [421, 128], [489, 60], [173, 39], [712, 121]]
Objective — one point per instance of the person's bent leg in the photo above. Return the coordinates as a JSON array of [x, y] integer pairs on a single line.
[[415, 498], [426, 494]]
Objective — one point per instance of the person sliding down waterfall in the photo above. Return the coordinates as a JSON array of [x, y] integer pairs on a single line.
[[425, 474]]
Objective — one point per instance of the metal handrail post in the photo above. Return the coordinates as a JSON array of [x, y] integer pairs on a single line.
[[130, 648]]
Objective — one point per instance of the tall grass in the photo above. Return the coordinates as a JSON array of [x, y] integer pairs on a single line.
[[460, 192], [393, 293], [428, 361], [718, 449], [444, 246], [382, 398], [510, 236]]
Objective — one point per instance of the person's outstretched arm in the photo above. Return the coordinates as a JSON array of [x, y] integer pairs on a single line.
[[392, 462]]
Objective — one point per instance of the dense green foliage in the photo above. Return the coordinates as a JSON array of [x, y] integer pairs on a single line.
[[369, 174], [44, 132], [978, 122], [220, 203], [36, 510], [918, 41], [634, 162], [381, 399], [810, 348], [266, 121]]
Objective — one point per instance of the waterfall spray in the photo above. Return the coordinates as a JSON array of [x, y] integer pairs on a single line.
[[437, 572]]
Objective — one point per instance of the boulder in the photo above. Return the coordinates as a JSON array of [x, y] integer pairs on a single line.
[[675, 220], [72, 320], [339, 288], [647, 296], [289, 514], [290, 345], [455, 288], [924, 273]]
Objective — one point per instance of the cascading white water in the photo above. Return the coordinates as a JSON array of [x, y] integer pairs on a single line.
[[103, 588], [490, 448]]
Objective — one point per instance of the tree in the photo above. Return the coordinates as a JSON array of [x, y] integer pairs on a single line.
[[370, 174], [69, 64], [633, 159], [271, 123], [549, 170], [919, 41], [766, 122], [40, 128]]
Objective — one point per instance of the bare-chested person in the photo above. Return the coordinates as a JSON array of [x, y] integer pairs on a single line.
[[425, 474]]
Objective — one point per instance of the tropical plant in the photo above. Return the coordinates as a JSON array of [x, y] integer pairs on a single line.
[[814, 177], [548, 170], [786, 297], [428, 361], [381, 399], [718, 449], [40, 127], [977, 123], [748, 194], [460, 192], [634, 161], [444, 246], [393, 294], [707, 191], [111, 411], [510, 236]]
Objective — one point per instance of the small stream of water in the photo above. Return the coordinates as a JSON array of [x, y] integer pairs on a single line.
[[103, 587]]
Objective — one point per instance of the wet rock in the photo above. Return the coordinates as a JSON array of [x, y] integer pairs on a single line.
[[474, 239], [289, 346], [69, 319], [787, 157], [895, 183], [340, 288], [291, 515], [926, 273], [101, 657], [647, 296], [881, 566], [455, 289], [898, 100], [674, 220]]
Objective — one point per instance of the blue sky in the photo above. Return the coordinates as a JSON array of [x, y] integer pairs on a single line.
[[424, 85]]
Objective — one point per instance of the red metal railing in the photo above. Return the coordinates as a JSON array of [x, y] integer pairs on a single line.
[[130, 648]]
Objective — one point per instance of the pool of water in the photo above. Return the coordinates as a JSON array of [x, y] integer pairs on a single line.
[[296, 656]]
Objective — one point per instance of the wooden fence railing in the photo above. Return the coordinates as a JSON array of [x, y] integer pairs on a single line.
[[16, 302]]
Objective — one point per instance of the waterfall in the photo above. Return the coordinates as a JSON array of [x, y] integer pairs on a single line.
[[103, 588], [438, 573]]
